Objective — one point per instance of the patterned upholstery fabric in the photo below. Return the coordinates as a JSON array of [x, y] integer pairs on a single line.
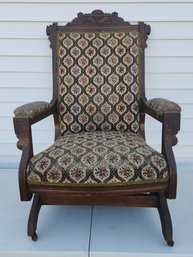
[[97, 158], [161, 105], [31, 110], [98, 81]]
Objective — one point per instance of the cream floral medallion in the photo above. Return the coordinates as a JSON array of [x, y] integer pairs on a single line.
[[98, 81], [85, 158]]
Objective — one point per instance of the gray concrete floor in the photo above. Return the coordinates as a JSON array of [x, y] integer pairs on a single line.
[[110, 232]]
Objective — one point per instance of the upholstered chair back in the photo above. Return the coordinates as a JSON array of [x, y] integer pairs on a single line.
[[98, 80]]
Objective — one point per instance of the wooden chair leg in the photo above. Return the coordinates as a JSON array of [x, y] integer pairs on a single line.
[[165, 219], [33, 218]]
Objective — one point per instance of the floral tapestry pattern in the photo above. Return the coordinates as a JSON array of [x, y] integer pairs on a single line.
[[86, 158], [98, 81]]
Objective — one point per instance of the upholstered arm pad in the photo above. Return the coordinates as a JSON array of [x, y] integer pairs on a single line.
[[31, 110], [161, 106]]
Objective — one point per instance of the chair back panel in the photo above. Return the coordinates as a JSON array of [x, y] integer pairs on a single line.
[[98, 67], [98, 80]]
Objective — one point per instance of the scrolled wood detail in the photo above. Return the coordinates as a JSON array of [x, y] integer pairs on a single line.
[[98, 17], [23, 132], [51, 36], [20, 144], [145, 31], [171, 126], [174, 140]]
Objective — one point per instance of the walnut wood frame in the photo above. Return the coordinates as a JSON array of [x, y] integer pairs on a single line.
[[145, 195]]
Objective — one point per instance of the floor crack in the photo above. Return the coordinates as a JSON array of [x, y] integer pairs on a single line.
[[90, 233]]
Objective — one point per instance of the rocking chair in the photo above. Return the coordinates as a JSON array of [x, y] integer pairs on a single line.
[[100, 156]]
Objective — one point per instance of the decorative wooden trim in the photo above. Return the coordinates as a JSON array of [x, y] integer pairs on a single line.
[[24, 134], [98, 18], [98, 190], [145, 31], [51, 33], [137, 200], [170, 128]]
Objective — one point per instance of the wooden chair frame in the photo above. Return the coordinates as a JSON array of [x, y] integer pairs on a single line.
[[147, 195]]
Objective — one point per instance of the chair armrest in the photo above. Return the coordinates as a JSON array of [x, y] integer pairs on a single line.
[[157, 107], [31, 110], [25, 116], [168, 113]]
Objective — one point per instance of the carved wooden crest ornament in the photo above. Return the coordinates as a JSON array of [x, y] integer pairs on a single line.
[[98, 17]]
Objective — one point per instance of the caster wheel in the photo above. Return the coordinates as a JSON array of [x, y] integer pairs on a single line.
[[170, 243], [34, 237]]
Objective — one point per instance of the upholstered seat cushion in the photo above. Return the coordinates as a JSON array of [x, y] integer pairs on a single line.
[[98, 158]]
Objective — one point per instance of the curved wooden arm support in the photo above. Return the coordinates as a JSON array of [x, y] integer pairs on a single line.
[[170, 119], [170, 127], [22, 126]]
